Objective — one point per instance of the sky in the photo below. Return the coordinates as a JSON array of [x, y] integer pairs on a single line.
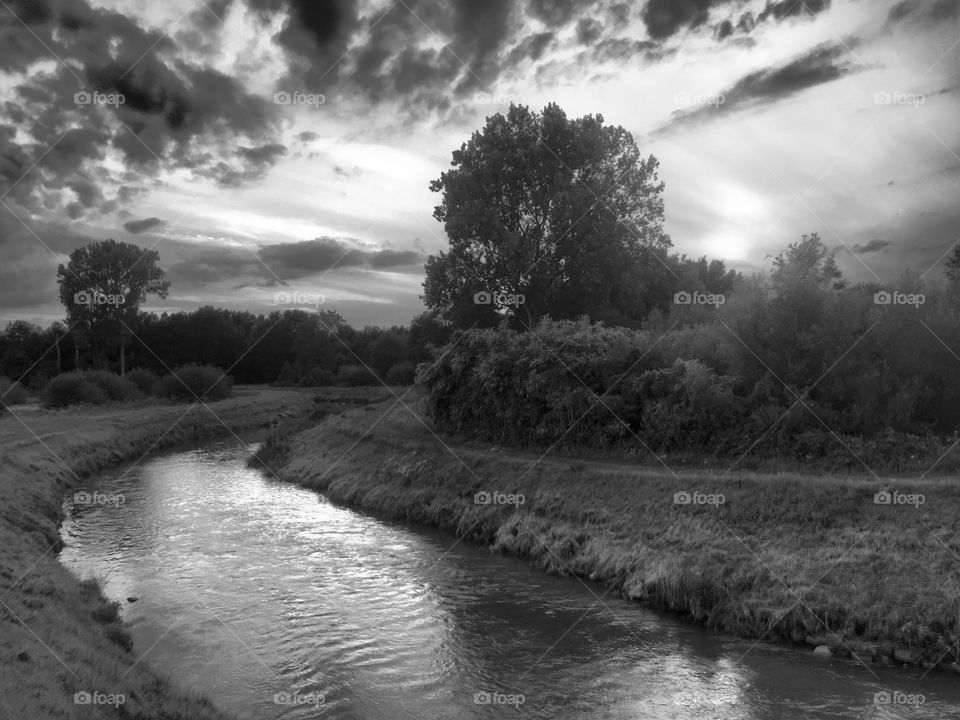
[[266, 146]]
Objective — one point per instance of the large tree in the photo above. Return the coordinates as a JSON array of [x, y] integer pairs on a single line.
[[102, 287], [563, 211]]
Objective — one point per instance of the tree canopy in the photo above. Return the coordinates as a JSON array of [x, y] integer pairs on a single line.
[[548, 215], [102, 287]]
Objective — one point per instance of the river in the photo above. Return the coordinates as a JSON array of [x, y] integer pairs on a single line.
[[278, 604]]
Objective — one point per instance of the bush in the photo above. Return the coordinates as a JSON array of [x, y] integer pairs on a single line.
[[144, 380], [11, 393], [355, 376], [113, 386], [71, 389], [317, 377], [400, 374], [192, 382]]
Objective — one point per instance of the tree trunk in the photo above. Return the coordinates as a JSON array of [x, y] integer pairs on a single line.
[[57, 343], [123, 355]]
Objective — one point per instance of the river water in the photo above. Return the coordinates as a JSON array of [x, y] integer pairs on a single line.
[[278, 604]]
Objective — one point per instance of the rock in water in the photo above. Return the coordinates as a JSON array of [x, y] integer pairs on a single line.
[[823, 650]]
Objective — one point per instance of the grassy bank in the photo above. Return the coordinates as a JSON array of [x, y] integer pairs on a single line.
[[811, 560], [61, 636]]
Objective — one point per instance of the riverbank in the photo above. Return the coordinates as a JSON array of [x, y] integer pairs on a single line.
[[61, 636], [817, 561]]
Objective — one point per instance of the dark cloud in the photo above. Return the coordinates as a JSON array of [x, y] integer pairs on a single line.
[[307, 136], [792, 8], [873, 246], [554, 13], [663, 18], [619, 49], [138, 226], [723, 30], [821, 65], [265, 154], [531, 47], [899, 11], [282, 262], [174, 114], [589, 31]]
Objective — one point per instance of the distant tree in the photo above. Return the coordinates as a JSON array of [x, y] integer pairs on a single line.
[[103, 285], [427, 330], [807, 262], [562, 211]]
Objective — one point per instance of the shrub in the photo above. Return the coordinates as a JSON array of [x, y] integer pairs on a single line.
[[11, 393], [192, 382], [71, 389], [400, 374], [113, 386], [317, 377], [145, 380], [355, 376]]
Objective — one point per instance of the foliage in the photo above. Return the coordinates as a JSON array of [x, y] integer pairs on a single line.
[[563, 211], [71, 389], [194, 382], [143, 379], [113, 386], [102, 287], [400, 374], [11, 393], [355, 376]]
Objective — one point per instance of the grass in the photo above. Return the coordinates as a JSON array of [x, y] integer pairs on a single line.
[[788, 557], [62, 635]]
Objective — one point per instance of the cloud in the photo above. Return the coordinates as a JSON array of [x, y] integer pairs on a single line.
[[531, 47], [792, 8], [282, 262], [554, 13], [820, 65], [588, 30], [873, 246], [663, 18], [136, 227], [174, 114]]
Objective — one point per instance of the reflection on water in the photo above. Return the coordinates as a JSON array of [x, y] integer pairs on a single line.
[[278, 604]]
